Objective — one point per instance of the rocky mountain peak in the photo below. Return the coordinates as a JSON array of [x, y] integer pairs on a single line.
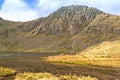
[[76, 9], [70, 19]]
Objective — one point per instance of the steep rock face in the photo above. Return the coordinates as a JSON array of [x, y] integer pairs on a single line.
[[104, 24], [68, 19], [69, 29]]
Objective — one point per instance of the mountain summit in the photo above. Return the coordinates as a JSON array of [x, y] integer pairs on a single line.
[[68, 19], [70, 29]]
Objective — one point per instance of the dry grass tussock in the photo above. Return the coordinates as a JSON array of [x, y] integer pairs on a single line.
[[6, 72], [48, 76]]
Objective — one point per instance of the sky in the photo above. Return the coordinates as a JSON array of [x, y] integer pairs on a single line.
[[26, 10]]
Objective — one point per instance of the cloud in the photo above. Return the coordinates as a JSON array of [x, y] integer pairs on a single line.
[[109, 6], [16, 10], [24, 10], [48, 6]]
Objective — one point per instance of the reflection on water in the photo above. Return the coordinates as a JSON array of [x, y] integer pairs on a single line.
[[23, 56]]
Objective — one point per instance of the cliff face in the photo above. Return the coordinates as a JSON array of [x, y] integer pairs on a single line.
[[70, 19], [69, 29]]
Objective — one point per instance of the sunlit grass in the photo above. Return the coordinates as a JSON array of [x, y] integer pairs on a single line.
[[6, 72], [87, 61], [35, 76], [48, 76], [104, 54]]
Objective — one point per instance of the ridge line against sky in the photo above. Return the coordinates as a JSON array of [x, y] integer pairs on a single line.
[[25, 10]]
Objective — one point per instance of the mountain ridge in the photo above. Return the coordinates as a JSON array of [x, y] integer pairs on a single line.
[[70, 29]]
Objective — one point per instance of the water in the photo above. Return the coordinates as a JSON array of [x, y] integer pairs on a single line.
[[9, 55], [24, 61], [23, 56]]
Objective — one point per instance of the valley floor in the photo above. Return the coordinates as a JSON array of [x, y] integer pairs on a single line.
[[35, 63]]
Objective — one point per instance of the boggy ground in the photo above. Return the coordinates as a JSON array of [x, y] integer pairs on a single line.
[[33, 62]]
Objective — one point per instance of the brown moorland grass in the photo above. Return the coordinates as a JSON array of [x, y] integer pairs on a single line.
[[104, 54], [48, 76], [6, 72], [80, 60]]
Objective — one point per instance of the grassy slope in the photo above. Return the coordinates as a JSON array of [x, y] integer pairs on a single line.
[[7, 24], [4, 31], [104, 54], [108, 48]]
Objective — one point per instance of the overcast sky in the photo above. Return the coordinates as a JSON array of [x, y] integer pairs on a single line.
[[25, 10]]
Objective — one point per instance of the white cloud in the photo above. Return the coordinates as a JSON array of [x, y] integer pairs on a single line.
[[17, 10], [48, 6]]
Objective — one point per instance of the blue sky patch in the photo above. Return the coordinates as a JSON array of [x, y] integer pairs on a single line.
[[1, 3], [31, 3]]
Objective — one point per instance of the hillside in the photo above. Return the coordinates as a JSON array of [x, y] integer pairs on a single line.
[[106, 49], [70, 29]]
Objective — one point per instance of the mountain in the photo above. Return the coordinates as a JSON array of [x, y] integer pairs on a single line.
[[70, 29]]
